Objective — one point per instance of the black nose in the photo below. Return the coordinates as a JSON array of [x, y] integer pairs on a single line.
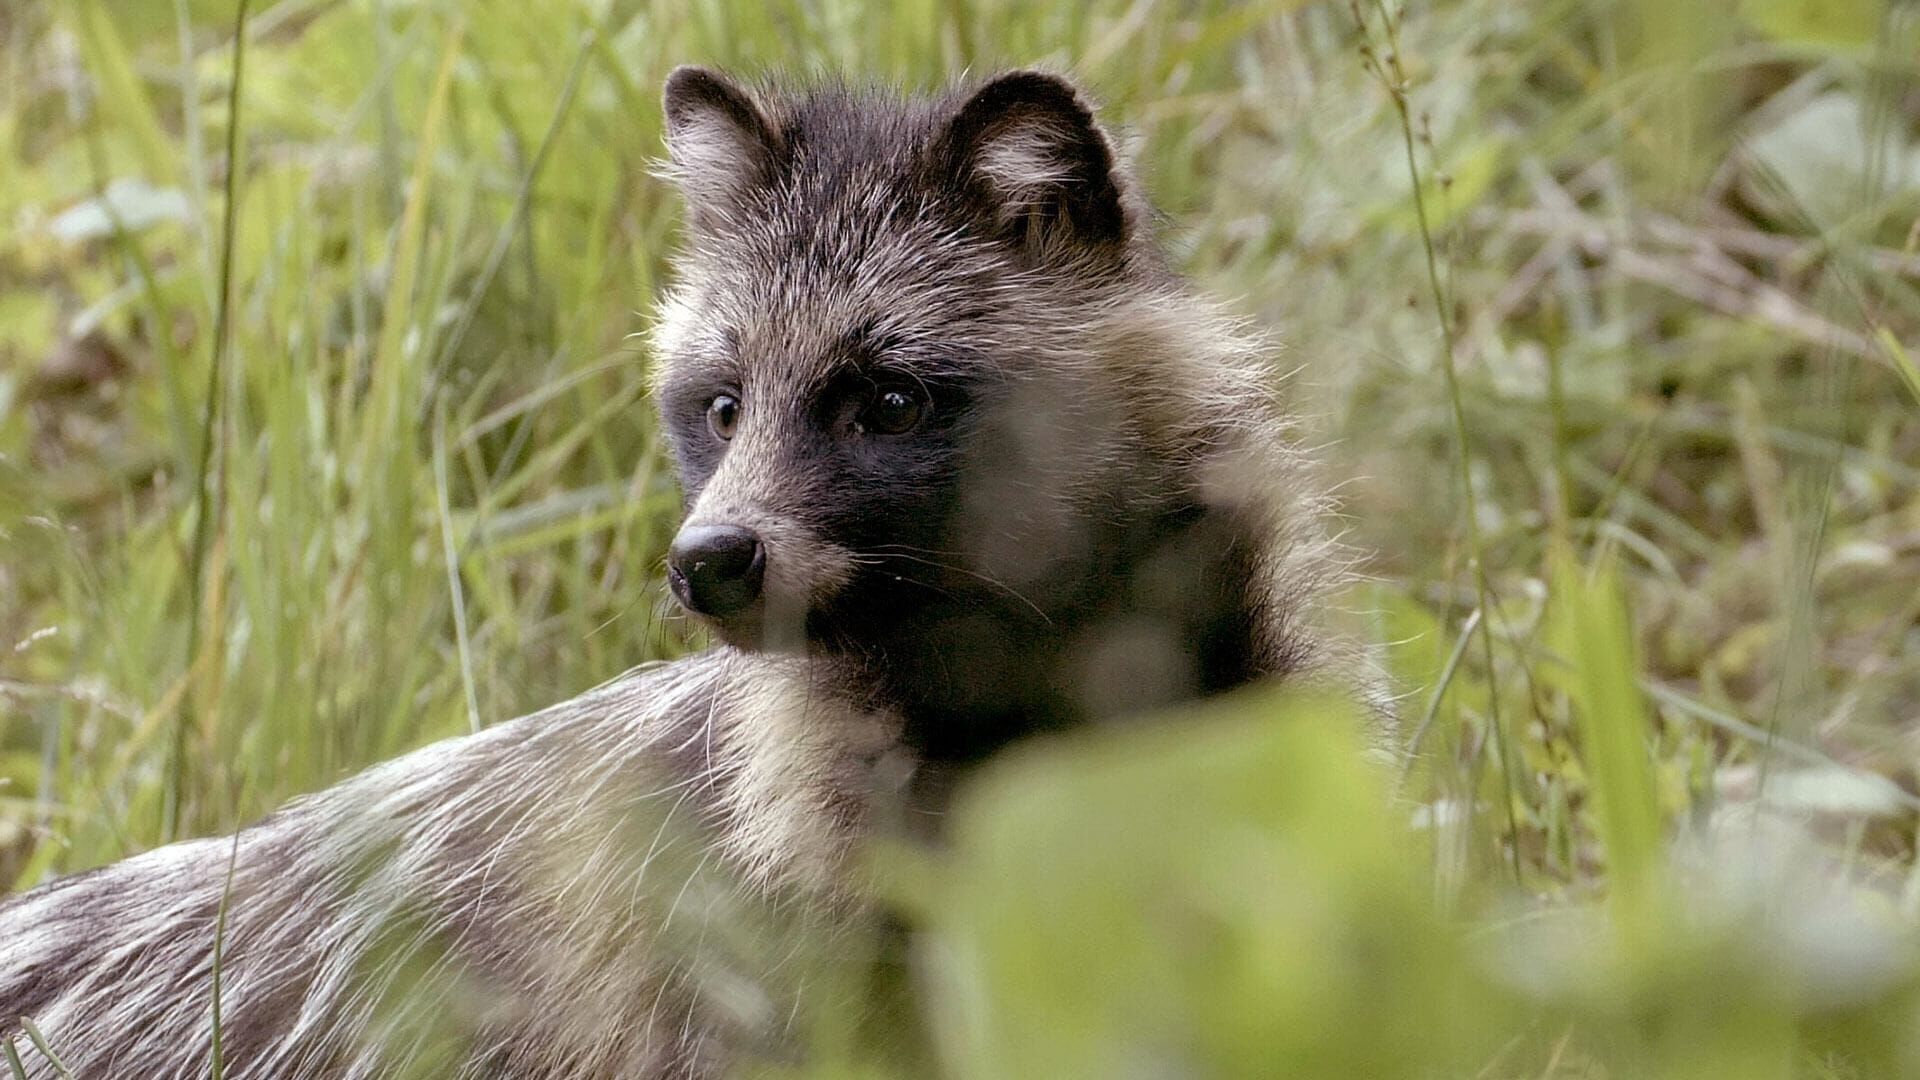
[[716, 569]]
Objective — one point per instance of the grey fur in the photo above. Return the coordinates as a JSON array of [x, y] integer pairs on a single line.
[[1109, 484], [516, 903], [1104, 511]]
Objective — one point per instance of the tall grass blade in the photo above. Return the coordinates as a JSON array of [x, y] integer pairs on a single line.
[[206, 484], [41, 1044], [450, 552], [522, 199], [123, 95], [1594, 636]]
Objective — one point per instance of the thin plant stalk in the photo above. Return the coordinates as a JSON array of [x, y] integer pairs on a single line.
[[1392, 76], [207, 500]]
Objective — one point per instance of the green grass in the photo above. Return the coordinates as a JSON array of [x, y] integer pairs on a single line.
[[1606, 316]]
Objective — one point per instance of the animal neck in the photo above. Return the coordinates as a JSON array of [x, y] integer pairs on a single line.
[[1170, 611]]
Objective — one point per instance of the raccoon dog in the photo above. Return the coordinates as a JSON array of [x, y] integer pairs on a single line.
[[964, 461]]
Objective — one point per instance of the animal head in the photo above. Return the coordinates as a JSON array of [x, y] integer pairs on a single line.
[[922, 355]]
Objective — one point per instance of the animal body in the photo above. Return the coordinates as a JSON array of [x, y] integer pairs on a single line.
[[964, 461]]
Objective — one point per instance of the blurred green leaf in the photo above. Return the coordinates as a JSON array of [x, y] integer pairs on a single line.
[[1823, 23], [1219, 896]]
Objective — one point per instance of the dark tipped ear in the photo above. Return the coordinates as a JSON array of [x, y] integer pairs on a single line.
[[719, 143], [1029, 154]]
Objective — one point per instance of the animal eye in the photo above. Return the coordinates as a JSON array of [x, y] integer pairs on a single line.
[[894, 411], [723, 416]]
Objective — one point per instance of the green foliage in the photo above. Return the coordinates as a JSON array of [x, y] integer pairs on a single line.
[[1591, 631], [1223, 896], [1655, 816]]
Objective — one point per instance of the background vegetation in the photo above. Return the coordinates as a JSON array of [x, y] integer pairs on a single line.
[[1639, 340]]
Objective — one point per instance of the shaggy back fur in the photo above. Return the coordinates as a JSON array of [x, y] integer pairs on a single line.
[[1096, 509], [578, 893]]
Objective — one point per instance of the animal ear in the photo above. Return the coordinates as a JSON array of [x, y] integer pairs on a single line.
[[719, 144], [1029, 153]]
